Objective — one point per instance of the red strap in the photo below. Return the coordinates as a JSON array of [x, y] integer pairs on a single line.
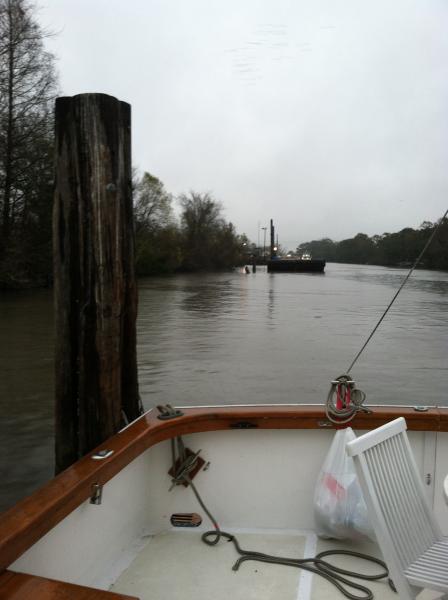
[[347, 400], [338, 397]]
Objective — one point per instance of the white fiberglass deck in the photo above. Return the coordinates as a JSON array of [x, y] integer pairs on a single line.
[[258, 483], [178, 565]]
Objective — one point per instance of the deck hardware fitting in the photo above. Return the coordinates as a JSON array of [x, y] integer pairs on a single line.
[[243, 425], [102, 454], [188, 467], [168, 412], [206, 466], [344, 401], [421, 408], [185, 520], [325, 424], [97, 494], [428, 479]]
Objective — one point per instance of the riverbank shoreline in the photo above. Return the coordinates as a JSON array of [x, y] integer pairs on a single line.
[[29, 285]]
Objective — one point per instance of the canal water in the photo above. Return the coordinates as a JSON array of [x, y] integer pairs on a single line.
[[239, 339]]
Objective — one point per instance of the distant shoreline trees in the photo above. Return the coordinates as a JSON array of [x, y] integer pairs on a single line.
[[200, 240], [389, 249], [27, 90]]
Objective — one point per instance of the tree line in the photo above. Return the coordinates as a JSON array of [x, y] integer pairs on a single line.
[[389, 249], [195, 237], [199, 239], [28, 86]]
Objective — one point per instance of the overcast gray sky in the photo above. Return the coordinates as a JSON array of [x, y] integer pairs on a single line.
[[329, 116]]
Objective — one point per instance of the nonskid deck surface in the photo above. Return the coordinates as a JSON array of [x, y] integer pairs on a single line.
[[178, 565]]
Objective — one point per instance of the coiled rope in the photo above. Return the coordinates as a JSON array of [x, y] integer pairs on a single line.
[[323, 568], [344, 401], [349, 400]]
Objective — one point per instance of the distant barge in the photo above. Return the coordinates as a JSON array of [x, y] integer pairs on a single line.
[[292, 264], [296, 265]]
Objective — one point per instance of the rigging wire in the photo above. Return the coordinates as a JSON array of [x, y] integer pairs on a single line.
[[418, 259], [344, 401]]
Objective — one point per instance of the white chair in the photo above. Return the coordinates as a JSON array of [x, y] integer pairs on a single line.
[[408, 535]]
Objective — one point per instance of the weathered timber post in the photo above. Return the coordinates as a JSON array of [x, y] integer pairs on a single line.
[[95, 290]]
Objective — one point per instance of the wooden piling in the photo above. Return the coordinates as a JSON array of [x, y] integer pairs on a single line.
[[95, 289]]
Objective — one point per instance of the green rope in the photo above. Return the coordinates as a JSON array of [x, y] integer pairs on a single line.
[[316, 565]]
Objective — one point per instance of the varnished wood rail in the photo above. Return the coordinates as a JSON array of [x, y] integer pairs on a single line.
[[33, 517], [20, 586]]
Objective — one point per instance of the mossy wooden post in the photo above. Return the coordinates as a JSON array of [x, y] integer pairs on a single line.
[[96, 384]]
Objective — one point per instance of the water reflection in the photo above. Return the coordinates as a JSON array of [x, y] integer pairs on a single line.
[[26, 393], [210, 300], [271, 303], [235, 338], [433, 282]]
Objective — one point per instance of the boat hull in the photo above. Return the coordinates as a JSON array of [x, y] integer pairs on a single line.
[[296, 266], [261, 467]]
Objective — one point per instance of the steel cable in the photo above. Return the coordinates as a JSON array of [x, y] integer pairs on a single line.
[[346, 411], [417, 260]]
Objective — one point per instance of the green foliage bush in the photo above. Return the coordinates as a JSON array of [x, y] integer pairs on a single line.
[[201, 239]]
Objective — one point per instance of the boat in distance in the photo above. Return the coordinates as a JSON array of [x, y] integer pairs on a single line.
[[304, 264]]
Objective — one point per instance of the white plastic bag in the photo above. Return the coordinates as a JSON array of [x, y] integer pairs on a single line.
[[339, 508]]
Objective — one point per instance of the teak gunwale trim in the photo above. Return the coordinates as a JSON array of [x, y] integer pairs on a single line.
[[22, 586], [25, 523]]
